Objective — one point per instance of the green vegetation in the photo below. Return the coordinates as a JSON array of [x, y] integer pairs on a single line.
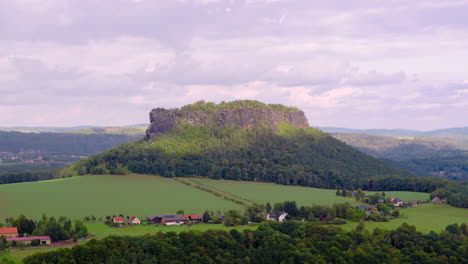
[[16, 142], [274, 193], [140, 195], [295, 156], [443, 156], [273, 243], [134, 195], [29, 176], [210, 107], [426, 217], [102, 230]]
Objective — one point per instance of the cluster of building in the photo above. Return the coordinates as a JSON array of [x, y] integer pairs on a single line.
[[11, 236], [162, 219]]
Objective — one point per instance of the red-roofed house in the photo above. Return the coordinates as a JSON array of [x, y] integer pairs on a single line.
[[9, 232], [119, 220], [436, 200], [43, 240], [193, 218], [134, 221]]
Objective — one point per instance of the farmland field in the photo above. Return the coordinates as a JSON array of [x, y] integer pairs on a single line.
[[142, 195], [426, 217], [81, 196], [270, 192]]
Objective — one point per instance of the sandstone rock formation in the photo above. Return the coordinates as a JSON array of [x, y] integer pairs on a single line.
[[164, 120]]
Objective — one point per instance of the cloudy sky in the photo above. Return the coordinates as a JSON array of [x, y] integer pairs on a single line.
[[353, 63]]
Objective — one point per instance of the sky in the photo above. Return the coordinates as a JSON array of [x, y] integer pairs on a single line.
[[353, 63]]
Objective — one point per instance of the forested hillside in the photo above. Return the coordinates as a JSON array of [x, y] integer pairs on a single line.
[[299, 156], [16, 142], [442, 156]]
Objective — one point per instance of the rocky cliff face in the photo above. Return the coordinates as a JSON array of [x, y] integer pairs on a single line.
[[164, 120]]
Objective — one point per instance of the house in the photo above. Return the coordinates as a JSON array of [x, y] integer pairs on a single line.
[[133, 221], [43, 240], [118, 220], [221, 218], [396, 201], [380, 201], [9, 232], [170, 219], [193, 218], [277, 216], [364, 207], [437, 200]]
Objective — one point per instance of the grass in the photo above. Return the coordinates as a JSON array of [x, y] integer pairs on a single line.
[[141, 195], [426, 218], [17, 255], [272, 193], [102, 230], [133, 195]]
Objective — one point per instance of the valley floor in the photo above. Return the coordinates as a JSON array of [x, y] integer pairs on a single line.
[[142, 195]]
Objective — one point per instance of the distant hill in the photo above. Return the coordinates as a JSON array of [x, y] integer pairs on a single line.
[[398, 132], [78, 129], [440, 156], [240, 140], [133, 130]]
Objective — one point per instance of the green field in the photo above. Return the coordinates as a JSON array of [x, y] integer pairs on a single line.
[[142, 195], [270, 192], [134, 195], [426, 217]]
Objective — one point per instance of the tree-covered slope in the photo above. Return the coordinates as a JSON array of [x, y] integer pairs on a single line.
[[441, 156], [68, 143], [285, 155]]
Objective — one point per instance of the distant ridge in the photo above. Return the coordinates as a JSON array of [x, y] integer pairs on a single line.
[[398, 132]]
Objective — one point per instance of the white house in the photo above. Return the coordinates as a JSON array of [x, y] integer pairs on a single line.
[[134, 220], [276, 216]]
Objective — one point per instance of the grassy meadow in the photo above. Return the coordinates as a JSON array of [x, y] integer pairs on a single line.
[[76, 197], [142, 195], [270, 192]]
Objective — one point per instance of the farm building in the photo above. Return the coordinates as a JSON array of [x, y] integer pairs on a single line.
[[42, 240], [9, 232], [170, 219], [193, 218], [118, 219], [396, 201], [277, 216], [438, 200], [133, 221]]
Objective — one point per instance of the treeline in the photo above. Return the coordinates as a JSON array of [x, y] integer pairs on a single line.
[[29, 176], [456, 193], [289, 242], [58, 229], [68, 143], [293, 156]]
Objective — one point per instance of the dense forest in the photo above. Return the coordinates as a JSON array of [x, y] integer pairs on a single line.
[[272, 242], [294, 156], [80, 144]]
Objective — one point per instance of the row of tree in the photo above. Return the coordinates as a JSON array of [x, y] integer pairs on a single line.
[[272, 242], [58, 229]]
